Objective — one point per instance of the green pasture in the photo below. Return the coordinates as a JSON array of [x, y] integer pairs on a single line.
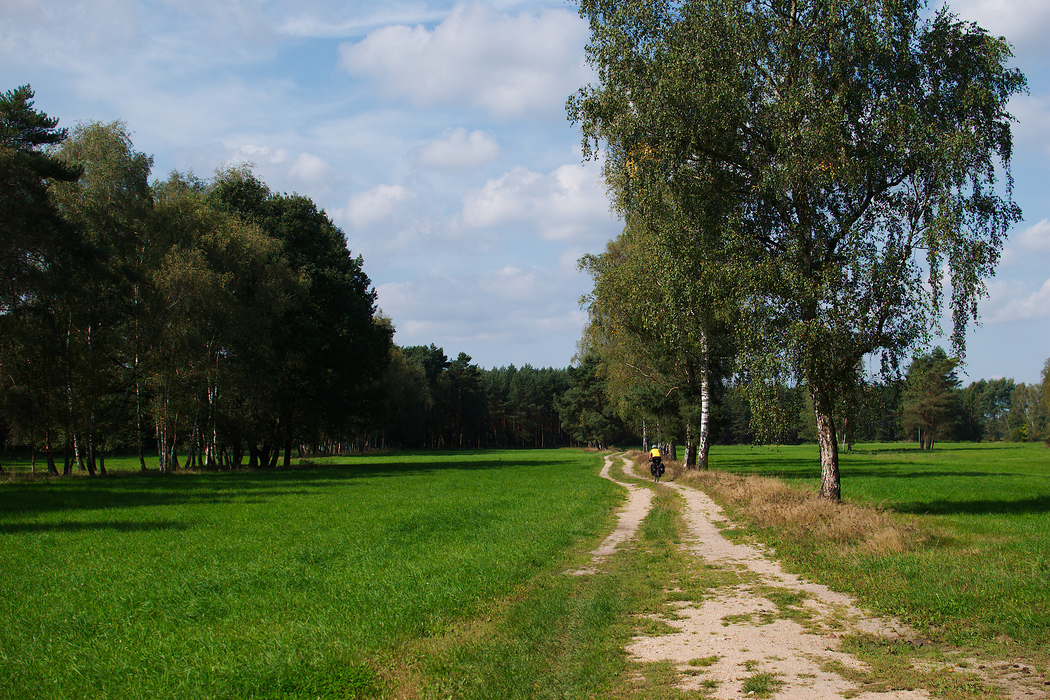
[[284, 584], [978, 572], [445, 572]]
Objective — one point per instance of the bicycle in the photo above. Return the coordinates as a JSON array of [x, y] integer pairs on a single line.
[[656, 468]]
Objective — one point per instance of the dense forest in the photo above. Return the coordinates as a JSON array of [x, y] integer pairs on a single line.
[[217, 324]]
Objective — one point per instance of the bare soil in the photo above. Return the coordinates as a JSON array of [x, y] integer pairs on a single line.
[[739, 632]]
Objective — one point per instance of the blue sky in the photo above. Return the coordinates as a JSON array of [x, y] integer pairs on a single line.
[[434, 134]]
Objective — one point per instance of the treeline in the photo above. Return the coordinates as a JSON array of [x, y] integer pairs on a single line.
[[424, 399], [927, 404], [220, 323], [210, 322], [214, 317]]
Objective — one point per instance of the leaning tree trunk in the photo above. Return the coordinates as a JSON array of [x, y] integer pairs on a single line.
[[830, 483]]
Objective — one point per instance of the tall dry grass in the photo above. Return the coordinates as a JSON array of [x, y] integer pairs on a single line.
[[766, 502]]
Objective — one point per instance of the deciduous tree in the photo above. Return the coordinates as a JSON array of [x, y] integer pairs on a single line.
[[857, 152]]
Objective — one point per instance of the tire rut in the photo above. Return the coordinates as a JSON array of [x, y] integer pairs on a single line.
[[738, 630]]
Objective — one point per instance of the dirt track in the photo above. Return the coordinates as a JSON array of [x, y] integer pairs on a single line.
[[743, 630]]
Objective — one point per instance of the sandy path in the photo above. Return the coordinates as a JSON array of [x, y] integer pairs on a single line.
[[634, 511], [739, 626]]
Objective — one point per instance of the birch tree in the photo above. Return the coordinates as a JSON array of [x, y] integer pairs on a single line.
[[860, 154]]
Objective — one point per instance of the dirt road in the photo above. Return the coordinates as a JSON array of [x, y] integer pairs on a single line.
[[738, 632]]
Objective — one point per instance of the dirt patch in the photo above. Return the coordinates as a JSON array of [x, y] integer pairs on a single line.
[[772, 635]]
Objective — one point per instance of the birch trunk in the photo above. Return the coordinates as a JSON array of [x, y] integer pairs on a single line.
[[705, 411], [830, 484]]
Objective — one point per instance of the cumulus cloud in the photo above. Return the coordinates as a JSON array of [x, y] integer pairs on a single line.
[[509, 66], [318, 22], [254, 153], [567, 204], [1035, 238], [375, 205], [459, 151], [482, 313], [1033, 241], [311, 169], [1014, 301], [1024, 23]]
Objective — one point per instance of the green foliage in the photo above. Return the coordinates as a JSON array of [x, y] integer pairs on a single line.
[[834, 141], [231, 318], [226, 289], [110, 206], [585, 409], [426, 400], [658, 322], [32, 235], [38, 251], [327, 346], [930, 405], [1045, 397], [986, 407]]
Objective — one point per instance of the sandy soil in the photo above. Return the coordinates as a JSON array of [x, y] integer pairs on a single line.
[[741, 628]]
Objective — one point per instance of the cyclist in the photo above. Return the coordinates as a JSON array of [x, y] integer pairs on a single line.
[[656, 463]]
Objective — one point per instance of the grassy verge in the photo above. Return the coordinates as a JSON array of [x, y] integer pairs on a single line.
[[954, 541], [288, 584]]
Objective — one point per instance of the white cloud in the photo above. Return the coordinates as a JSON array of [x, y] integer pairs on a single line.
[[315, 24], [261, 155], [1024, 23], [459, 151], [481, 313], [567, 204], [1013, 301], [1033, 241], [506, 65], [1035, 238], [311, 169], [374, 205]]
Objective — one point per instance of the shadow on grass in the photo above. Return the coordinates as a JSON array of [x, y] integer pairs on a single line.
[[107, 526], [810, 469], [1025, 506], [134, 489], [973, 480]]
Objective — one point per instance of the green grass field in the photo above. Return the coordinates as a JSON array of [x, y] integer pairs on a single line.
[[980, 574], [287, 584], [443, 573]]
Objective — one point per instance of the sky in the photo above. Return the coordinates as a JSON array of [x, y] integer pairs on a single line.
[[434, 135]]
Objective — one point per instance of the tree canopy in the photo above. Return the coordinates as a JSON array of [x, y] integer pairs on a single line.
[[853, 151]]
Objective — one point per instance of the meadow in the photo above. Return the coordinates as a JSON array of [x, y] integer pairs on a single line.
[[974, 569], [284, 584], [442, 574]]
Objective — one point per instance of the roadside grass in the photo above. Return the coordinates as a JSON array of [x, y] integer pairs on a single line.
[[289, 584], [954, 541]]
